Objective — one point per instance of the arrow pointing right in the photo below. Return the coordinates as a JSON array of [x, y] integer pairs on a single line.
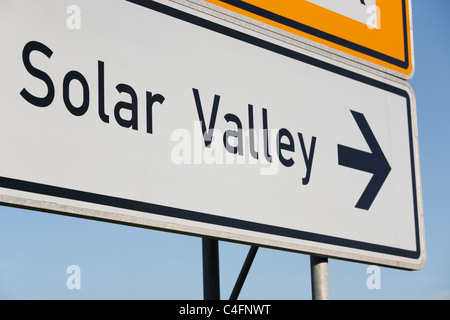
[[374, 162]]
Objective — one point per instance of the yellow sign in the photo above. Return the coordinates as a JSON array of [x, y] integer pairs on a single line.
[[377, 31]]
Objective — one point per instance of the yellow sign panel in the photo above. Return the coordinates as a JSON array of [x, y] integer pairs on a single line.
[[377, 31]]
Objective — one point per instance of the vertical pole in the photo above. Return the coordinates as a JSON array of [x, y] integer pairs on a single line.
[[319, 278], [211, 280]]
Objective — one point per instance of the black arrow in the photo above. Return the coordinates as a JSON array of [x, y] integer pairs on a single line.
[[374, 162]]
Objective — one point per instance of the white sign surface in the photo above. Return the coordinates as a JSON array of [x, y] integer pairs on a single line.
[[149, 114]]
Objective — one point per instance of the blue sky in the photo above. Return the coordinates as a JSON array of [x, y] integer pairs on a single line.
[[120, 262]]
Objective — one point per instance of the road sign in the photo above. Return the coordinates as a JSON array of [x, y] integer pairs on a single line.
[[179, 122], [377, 32]]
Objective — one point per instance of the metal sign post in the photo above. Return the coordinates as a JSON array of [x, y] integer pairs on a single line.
[[319, 278], [211, 278], [244, 271]]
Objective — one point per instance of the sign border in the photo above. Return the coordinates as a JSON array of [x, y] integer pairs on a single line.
[[129, 204]]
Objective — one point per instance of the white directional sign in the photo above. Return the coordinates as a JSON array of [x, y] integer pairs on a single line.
[[151, 114]]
